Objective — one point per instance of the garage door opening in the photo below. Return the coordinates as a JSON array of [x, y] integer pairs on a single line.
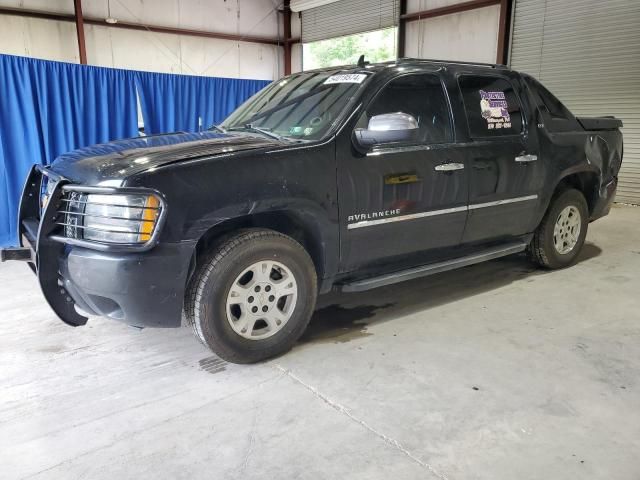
[[377, 46]]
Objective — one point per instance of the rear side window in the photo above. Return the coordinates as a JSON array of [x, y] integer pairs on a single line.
[[548, 101], [491, 105], [420, 95]]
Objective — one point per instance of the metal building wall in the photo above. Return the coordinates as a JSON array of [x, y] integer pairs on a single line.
[[587, 52]]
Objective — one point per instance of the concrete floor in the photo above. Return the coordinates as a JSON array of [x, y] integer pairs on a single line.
[[497, 371]]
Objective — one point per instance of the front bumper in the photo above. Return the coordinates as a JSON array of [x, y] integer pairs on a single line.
[[141, 288]]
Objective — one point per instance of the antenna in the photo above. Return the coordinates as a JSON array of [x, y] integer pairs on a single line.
[[361, 62]]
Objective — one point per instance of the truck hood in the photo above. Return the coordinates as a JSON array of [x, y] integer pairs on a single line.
[[110, 163]]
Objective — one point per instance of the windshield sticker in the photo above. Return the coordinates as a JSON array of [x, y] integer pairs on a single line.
[[495, 110], [346, 78]]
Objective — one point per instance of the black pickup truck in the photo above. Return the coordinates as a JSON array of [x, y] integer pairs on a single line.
[[349, 178]]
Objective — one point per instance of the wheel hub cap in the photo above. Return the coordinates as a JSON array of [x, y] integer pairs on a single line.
[[261, 300], [567, 230]]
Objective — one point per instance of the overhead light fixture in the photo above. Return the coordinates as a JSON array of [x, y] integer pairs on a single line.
[[110, 20]]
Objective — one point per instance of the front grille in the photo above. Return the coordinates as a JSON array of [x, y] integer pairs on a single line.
[[72, 210]]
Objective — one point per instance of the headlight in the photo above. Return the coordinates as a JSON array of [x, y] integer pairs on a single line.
[[129, 218]]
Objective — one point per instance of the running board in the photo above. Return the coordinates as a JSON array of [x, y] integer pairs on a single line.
[[424, 270]]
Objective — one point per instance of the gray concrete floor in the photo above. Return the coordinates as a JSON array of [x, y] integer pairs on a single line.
[[496, 371]]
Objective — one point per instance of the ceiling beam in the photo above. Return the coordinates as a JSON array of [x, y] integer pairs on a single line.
[[137, 26], [448, 10]]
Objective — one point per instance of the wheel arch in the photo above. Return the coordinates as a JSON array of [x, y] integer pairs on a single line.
[[585, 181], [304, 227]]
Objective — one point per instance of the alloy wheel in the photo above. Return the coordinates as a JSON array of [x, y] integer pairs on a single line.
[[567, 230], [261, 300]]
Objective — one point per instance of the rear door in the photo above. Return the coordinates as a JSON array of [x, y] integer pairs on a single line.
[[506, 173], [403, 199]]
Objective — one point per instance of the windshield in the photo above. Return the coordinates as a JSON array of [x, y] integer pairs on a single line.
[[303, 106]]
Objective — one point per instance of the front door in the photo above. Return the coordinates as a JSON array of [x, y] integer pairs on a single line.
[[403, 199], [505, 173]]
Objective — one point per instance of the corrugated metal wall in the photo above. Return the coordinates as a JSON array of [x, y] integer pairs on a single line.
[[587, 52], [348, 17]]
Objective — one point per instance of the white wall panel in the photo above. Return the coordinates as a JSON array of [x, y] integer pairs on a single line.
[[57, 6], [296, 58], [34, 37], [467, 36], [296, 25], [141, 50], [167, 53]]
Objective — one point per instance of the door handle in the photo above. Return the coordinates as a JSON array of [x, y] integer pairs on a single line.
[[526, 158], [448, 167], [402, 178]]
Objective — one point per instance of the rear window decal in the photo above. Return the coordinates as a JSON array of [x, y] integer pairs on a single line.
[[345, 78], [495, 110]]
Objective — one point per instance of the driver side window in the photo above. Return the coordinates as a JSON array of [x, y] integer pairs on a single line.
[[421, 96]]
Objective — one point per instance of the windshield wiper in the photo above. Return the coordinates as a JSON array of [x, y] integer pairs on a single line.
[[218, 128], [251, 128]]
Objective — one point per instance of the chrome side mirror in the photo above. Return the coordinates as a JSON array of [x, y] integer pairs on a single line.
[[388, 128]]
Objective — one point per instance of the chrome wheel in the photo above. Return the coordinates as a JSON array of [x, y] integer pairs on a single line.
[[261, 300], [567, 230]]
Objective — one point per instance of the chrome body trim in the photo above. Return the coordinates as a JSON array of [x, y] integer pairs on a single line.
[[503, 202], [433, 213], [399, 149], [401, 218]]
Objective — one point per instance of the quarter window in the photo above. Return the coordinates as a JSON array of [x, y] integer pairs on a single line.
[[491, 105], [421, 96], [546, 99]]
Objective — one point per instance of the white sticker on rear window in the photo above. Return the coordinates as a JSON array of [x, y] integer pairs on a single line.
[[346, 78]]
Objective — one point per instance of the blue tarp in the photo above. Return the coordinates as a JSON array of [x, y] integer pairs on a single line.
[[49, 108]]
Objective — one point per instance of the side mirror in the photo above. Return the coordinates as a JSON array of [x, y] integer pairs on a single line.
[[388, 128]]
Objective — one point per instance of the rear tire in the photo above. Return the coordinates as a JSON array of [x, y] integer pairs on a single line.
[[253, 297], [559, 238]]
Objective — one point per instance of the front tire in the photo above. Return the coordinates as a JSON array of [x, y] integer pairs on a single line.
[[559, 238], [253, 297]]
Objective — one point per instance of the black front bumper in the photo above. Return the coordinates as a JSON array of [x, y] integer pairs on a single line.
[[144, 288]]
